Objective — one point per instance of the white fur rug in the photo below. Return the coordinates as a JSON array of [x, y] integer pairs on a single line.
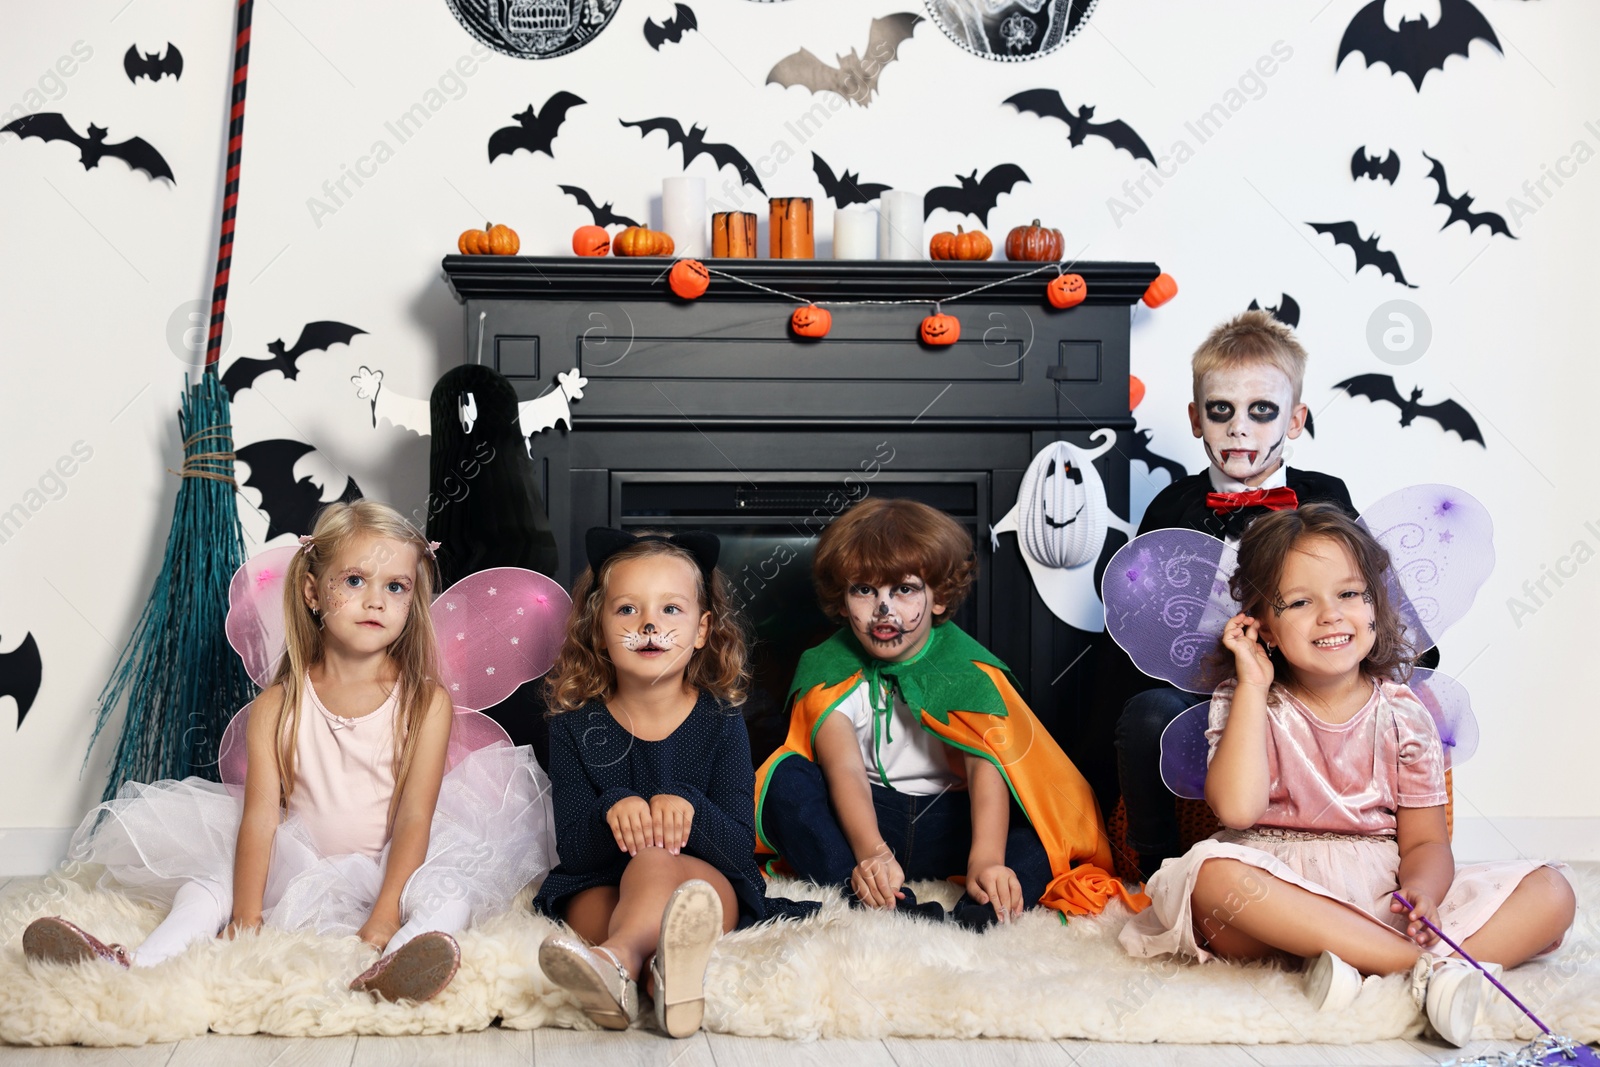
[[844, 973]]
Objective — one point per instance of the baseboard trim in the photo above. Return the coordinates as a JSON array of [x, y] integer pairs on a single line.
[[32, 850]]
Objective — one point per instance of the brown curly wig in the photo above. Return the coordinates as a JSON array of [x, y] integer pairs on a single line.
[[880, 541], [1262, 554], [583, 670]]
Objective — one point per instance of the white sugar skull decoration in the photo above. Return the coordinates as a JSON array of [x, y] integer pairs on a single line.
[[1060, 519]]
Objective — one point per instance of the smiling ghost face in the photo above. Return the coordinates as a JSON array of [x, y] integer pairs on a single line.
[[1245, 414]]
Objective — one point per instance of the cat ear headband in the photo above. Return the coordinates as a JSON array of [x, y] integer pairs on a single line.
[[602, 542]]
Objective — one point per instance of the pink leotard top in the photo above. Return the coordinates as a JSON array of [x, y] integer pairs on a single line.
[[1347, 777], [344, 776]]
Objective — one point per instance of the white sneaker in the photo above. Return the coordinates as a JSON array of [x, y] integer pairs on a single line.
[[1330, 983], [1453, 997]]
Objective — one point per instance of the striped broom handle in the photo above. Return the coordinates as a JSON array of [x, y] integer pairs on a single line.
[[230, 201]]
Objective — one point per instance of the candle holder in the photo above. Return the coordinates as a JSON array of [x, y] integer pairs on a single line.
[[791, 234], [733, 235]]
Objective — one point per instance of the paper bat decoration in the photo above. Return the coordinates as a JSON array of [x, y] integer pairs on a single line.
[[533, 416], [316, 335], [20, 672], [694, 144], [1287, 311], [136, 152], [1368, 254], [1139, 449], [856, 77], [973, 197], [534, 132], [681, 22], [153, 65], [601, 213], [290, 504], [1048, 103], [1415, 49], [1451, 416], [847, 188], [1461, 206], [1363, 165]]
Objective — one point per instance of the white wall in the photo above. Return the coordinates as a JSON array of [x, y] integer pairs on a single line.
[[99, 261]]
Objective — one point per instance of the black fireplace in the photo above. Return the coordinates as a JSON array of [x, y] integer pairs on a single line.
[[710, 414]]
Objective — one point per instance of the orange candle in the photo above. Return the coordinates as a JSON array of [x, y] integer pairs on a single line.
[[791, 233], [733, 235]]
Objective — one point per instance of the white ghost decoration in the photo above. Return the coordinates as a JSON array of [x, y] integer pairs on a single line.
[[1060, 519]]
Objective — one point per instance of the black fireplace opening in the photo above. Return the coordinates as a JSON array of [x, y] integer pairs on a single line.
[[769, 524]]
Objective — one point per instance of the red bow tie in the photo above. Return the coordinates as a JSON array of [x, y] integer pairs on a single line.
[[1280, 499]]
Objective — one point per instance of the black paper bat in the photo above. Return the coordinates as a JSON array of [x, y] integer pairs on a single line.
[[1048, 103], [20, 671], [1450, 415], [1311, 427], [136, 152], [1368, 254], [1287, 311], [316, 335], [289, 504], [1461, 206], [153, 65], [602, 213], [673, 29], [1415, 49], [1363, 165], [534, 131], [695, 144], [856, 77], [1139, 449], [847, 188], [974, 197]]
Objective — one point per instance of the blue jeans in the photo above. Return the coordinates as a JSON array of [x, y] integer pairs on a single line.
[[1150, 805], [930, 836]]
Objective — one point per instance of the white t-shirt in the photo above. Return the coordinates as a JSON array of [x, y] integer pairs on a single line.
[[898, 752]]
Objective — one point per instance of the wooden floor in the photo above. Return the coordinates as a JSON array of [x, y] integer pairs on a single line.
[[646, 1048]]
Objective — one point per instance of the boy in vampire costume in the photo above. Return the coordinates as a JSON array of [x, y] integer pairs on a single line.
[[1247, 379], [902, 722]]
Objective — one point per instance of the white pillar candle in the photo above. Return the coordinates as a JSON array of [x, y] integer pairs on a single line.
[[855, 233], [683, 214], [900, 225]]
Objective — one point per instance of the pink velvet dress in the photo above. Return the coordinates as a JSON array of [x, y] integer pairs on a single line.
[[1330, 823]]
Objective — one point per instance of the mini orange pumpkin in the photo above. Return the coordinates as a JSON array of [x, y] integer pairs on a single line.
[[493, 240], [638, 241], [961, 245], [689, 278], [940, 329], [811, 321], [591, 241], [1033, 242], [1164, 288], [1068, 290], [1135, 392]]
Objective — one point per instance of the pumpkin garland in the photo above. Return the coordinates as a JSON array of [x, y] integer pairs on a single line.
[[689, 278], [811, 321], [939, 328]]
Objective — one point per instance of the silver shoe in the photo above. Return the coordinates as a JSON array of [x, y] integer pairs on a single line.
[[603, 988], [690, 926]]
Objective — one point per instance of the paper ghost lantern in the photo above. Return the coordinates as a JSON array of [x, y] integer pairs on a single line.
[[1060, 519]]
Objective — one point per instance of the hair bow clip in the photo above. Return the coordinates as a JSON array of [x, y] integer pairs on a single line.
[[433, 547], [307, 542]]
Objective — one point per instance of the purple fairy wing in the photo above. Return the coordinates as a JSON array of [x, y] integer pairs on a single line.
[[1441, 550], [1166, 599], [1185, 752], [497, 629], [1447, 701], [255, 612]]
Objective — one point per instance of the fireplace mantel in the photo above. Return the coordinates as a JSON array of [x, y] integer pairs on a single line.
[[712, 413]]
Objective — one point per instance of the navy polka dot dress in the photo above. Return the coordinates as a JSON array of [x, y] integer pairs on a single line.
[[594, 763]]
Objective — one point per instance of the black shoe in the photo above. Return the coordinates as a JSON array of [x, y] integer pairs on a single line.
[[974, 916], [907, 905]]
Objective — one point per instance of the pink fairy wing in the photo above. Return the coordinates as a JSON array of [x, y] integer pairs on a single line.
[[1441, 551], [231, 752], [1166, 599], [1447, 701], [470, 731], [255, 612], [497, 629], [1185, 752]]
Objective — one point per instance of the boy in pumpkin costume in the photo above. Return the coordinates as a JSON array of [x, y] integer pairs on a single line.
[[911, 755]]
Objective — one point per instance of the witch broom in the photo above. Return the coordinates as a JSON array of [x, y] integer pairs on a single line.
[[180, 679]]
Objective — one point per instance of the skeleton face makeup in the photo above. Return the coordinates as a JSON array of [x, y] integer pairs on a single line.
[[1245, 415], [892, 622], [652, 619]]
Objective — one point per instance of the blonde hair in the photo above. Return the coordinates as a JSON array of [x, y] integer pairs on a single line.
[[584, 671], [1253, 337], [415, 651]]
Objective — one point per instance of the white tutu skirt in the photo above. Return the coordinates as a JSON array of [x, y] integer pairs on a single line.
[[1359, 872], [492, 834]]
